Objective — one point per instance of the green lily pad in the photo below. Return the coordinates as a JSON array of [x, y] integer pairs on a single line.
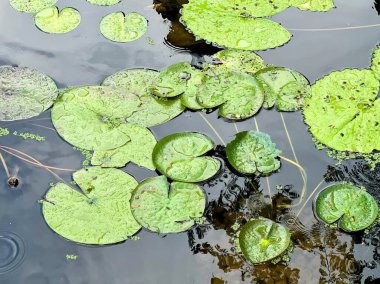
[[353, 208], [177, 156], [313, 5], [31, 6], [152, 111], [253, 153], [163, 210], [189, 97], [123, 28], [104, 2], [239, 60], [284, 87], [232, 29], [51, 21], [100, 215], [343, 112], [262, 240], [239, 95], [375, 64], [24, 93], [138, 150]]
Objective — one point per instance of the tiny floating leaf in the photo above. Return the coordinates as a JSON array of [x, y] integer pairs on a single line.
[[178, 157], [31, 6], [104, 2], [262, 240], [353, 208], [51, 21], [313, 5], [119, 27], [253, 153], [163, 210], [98, 216]]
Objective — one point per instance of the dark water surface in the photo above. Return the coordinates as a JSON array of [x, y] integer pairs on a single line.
[[31, 253]]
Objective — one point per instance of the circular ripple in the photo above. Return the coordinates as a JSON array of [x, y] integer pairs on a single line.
[[12, 251]]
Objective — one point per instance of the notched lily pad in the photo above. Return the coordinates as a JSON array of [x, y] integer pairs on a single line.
[[31, 6], [123, 28], [284, 87], [262, 240], [100, 215], [178, 156], [253, 153], [104, 2], [344, 112], [24, 93], [239, 95], [53, 21], [313, 5], [353, 208], [375, 64], [163, 210]]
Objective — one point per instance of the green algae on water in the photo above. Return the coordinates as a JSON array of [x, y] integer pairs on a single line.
[[313, 5], [53, 21], [27, 135], [31, 6], [104, 2], [4, 131]]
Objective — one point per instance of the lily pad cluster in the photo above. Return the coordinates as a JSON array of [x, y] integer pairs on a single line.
[[237, 94], [353, 208], [344, 112], [241, 24]]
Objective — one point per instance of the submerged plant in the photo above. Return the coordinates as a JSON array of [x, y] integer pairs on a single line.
[[31, 6], [161, 209], [353, 208], [53, 21]]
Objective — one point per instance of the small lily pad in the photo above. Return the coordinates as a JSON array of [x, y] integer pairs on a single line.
[[253, 153], [353, 208], [100, 215], [51, 21], [123, 28], [375, 64], [138, 150], [31, 6], [152, 111], [284, 87], [163, 210], [262, 240], [104, 2], [178, 157], [24, 93], [313, 5], [239, 95]]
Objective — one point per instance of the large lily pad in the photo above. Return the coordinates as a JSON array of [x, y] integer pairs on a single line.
[[262, 239], [163, 210], [313, 5], [375, 64], [138, 150], [178, 157], [284, 87], [24, 93], [104, 2], [100, 215], [31, 6], [53, 21], [209, 20], [239, 95], [253, 153], [353, 208], [152, 111], [123, 28], [343, 112]]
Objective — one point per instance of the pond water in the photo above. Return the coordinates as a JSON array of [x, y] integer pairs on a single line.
[[30, 252]]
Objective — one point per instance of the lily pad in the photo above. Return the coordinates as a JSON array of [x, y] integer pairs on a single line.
[[100, 215], [343, 112], [104, 2], [51, 21], [239, 95], [138, 150], [177, 156], [24, 93], [284, 87], [253, 153], [152, 111], [262, 240], [163, 210], [375, 64], [313, 5], [353, 208], [233, 29], [31, 6], [123, 28]]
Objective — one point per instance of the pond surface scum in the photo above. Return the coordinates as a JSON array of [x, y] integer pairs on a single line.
[[61, 222]]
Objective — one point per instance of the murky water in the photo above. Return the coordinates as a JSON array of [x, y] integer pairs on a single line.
[[31, 253]]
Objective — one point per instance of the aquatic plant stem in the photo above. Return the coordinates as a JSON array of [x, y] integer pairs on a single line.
[[213, 128], [4, 165], [335, 29], [309, 197]]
